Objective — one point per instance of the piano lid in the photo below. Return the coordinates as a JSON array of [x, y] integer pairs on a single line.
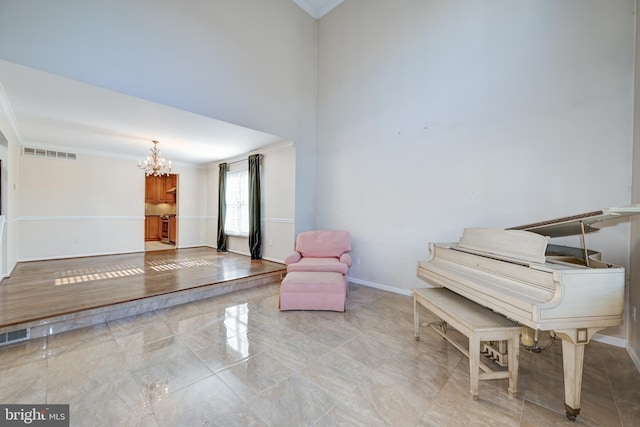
[[572, 225]]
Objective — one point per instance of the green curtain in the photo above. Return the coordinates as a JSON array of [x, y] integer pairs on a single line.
[[222, 206], [255, 229]]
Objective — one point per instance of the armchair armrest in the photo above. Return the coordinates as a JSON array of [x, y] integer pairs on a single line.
[[293, 258], [346, 258]]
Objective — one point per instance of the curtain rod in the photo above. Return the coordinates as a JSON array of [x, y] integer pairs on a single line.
[[240, 161]]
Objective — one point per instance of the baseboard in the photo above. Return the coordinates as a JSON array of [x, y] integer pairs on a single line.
[[85, 255], [634, 356], [606, 339], [406, 292]]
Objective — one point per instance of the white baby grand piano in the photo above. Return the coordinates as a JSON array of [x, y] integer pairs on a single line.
[[516, 273]]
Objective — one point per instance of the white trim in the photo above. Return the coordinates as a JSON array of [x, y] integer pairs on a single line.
[[606, 339], [196, 217], [98, 153], [79, 218], [634, 356], [395, 290], [279, 220], [197, 245], [267, 149], [239, 253], [275, 147], [279, 261], [7, 111], [82, 255]]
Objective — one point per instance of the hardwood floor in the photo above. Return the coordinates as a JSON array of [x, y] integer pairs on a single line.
[[158, 246], [38, 291]]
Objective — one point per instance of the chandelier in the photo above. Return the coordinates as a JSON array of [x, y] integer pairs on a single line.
[[154, 164]]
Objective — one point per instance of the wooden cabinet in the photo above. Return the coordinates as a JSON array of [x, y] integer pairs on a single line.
[[152, 227], [170, 188], [161, 189], [150, 189], [156, 187]]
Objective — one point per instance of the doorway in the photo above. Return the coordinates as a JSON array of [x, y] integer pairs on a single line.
[[160, 212]]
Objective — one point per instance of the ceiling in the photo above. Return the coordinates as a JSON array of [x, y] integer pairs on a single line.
[[52, 111]]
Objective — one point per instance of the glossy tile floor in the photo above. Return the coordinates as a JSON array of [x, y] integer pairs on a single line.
[[235, 360]]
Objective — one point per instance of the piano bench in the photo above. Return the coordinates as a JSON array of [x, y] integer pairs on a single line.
[[478, 324]]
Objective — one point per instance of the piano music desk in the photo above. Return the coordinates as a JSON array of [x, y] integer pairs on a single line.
[[477, 323]]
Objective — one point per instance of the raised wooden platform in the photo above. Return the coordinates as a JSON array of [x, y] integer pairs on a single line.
[[47, 297]]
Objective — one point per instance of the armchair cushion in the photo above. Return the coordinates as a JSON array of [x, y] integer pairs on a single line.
[[319, 264]]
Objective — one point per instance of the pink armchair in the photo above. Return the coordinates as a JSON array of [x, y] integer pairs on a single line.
[[317, 272], [322, 251]]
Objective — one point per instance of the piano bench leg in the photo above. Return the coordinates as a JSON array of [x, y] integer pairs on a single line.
[[416, 319]]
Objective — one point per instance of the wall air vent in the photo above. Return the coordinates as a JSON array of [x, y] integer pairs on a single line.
[[14, 336], [49, 154]]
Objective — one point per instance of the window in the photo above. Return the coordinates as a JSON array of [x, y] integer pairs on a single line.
[[237, 197]]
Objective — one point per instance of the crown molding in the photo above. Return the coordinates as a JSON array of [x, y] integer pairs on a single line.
[[6, 112]]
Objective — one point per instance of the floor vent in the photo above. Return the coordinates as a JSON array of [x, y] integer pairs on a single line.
[[14, 336], [49, 154]]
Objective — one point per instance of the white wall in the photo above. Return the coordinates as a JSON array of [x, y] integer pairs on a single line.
[[633, 336], [278, 169], [95, 205], [432, 116], [248, 62], [439, 115], [279, 202], [92, 205], [193, 197]]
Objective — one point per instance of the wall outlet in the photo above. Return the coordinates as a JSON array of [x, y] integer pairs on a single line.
[[633, 313], [357, 260], [77, 240], [270, 242]]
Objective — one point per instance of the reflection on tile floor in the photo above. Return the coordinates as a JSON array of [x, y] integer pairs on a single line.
[[235, 360]]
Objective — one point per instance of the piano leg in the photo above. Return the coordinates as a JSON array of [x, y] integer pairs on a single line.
[[573, 342], [572, 362]]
